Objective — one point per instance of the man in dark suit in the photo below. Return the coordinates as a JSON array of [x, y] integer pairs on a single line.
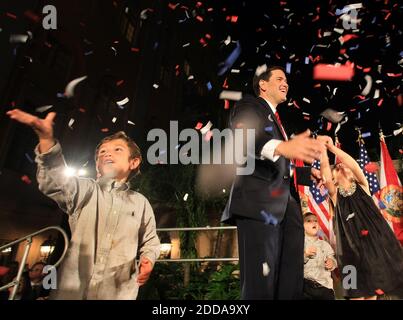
[[264, 205]]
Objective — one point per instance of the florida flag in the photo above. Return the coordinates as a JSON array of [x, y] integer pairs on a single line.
[[391, 193]]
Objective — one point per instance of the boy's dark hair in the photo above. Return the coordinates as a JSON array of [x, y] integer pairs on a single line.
[[133, 147], [264, 76], [308, 214]]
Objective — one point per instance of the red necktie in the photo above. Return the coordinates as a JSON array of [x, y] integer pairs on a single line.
[[281, 126]]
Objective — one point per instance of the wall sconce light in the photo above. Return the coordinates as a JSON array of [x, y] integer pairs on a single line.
[[47, 248]]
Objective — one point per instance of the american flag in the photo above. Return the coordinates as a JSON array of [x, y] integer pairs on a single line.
[[316, 201], [371, 176]]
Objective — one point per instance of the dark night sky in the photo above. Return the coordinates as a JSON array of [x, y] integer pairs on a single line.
[[274, 32]]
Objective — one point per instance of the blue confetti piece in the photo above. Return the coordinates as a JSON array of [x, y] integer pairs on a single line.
[[231, 59], [381, 205], [320, 234], [288, 67], [366, 134], [306, 60], [268, 129], [29, 158], [209, 86], [269, 218]]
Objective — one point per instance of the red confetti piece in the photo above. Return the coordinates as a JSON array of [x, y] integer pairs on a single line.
[[26, 179], [226, 104], [135, 49], [329, 126], [210, 9], [203, 42], [208, 135], [234, 19], [331, 72], [104, 129], [199, 4], [32, 16], [11, 15], [401, 151], [388, 15], [367, 69], [379, 292], [348, 37], [364, 232], [118, 83], [208, 36], [199, 18], [342, 51], [199, 125], [380, 102], [296, 105], [371, 167], [172, 6], [82, 110], [307, 118], [276, 193], [225, 84], [394, 75]]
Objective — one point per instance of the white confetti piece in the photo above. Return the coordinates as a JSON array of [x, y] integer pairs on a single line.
[[230, 95], [350, 216], [191, 77], [206, 128], [186, 45], [156, 86], [227, 41], [266, 269], [18, 38], [306, 100], [71, 121], [368, 86], [43, 109], [114, 119], [260, 70], [69, 91], [185, 197], [130, 122], [235, 71], [122, 102]]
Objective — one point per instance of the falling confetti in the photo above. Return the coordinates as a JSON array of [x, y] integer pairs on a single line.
[[69, 91], [122, 102], [350, 216], [185, 197], [43, 109], [206, 128], [269, 218], [26, 179], [266, 269]]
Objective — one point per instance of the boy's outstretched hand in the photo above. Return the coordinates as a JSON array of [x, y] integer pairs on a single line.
[[42, 127], [146, 267]]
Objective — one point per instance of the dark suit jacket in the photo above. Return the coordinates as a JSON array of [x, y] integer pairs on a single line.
[[268, 187]]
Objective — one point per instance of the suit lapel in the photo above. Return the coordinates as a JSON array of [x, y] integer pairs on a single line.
[[271, 117]]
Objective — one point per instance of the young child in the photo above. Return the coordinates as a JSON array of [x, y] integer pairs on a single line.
[[110, 223], [319, 262], [363, 238]]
